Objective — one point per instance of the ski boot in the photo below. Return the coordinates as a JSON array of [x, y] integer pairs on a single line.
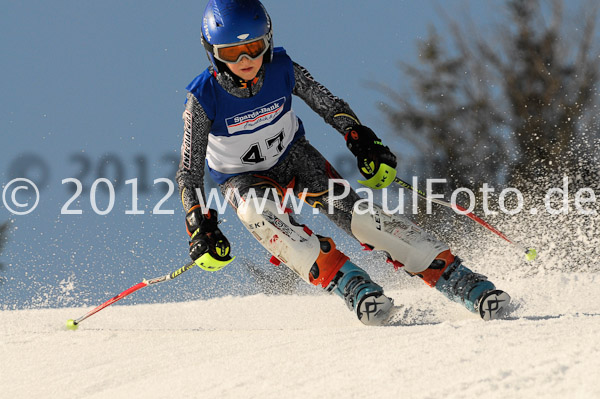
[[362, 296], [473, 290]]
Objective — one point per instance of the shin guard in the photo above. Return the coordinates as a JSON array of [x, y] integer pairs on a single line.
[[314, 258], [404, 241]]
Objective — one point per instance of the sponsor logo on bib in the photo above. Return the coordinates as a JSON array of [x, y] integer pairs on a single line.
[[250, 120]]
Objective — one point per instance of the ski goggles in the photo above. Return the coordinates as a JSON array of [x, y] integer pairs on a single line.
[[233, 53]]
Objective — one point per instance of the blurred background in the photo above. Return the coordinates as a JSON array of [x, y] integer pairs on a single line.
[[502, 92]]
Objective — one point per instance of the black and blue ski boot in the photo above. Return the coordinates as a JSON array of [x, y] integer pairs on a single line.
[[362, 295], [473, 290]]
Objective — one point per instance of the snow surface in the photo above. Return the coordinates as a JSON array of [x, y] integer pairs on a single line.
[[311, 346]]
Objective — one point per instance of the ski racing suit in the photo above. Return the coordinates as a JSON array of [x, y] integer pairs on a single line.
[[251, 140]]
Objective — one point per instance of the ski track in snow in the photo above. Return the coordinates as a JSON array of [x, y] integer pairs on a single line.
[[303, 346]]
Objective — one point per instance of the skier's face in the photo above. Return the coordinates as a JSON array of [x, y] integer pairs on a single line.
[[246, 68]]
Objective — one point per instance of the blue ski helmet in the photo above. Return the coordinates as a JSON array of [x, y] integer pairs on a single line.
[[229, 23]]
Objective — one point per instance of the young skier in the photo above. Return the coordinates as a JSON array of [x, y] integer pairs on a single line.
[[238, 119]]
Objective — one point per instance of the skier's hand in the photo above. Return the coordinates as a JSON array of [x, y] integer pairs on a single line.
[[375, 161], [209, 247]]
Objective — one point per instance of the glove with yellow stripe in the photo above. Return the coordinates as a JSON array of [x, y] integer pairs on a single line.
[[209, 248], [375, 161]]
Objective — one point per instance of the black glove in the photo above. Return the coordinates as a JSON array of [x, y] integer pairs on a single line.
[[205, 237], [375, 161]]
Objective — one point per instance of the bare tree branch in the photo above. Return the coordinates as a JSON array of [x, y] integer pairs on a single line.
[[509, 106]]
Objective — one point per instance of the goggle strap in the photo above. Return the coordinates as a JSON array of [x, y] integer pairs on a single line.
[[207, 46]]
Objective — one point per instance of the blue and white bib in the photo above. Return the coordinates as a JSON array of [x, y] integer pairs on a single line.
[[249, 134]]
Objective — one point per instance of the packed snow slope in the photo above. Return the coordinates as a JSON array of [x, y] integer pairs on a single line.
[[311, 346]]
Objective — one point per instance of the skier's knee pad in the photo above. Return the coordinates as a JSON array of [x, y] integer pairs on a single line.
[[313, 258], [404, 241]]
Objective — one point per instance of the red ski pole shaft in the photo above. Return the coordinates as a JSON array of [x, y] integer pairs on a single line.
[[133, 289]]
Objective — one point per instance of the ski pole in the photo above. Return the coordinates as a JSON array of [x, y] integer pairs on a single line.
[[530, 253], [73, 324]]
